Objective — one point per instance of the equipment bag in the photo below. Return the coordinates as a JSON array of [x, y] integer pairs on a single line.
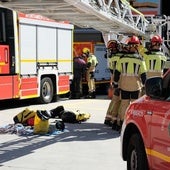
[[69, 117], [82, 117], [23, 116], [74, 117], [41, 123], [56, 112]]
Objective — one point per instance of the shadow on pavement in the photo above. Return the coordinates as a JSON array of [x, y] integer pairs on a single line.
[[12, 103], [9, 104], [24, 145]]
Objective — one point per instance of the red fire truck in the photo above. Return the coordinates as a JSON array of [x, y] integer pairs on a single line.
[[145, 135], [35, 56]]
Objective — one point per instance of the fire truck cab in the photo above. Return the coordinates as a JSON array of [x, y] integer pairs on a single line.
[[145, 135]]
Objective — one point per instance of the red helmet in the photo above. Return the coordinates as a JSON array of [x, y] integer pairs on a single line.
[[112, 44], [133, 40], [156, 39]]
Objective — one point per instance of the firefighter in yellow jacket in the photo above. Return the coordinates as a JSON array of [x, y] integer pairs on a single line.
[[92, 62], [154, 58], [113, 56], [131, 69], [112, 50]]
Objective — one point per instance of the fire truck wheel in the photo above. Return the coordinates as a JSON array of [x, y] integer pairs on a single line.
[[136, 156], [46, 91]]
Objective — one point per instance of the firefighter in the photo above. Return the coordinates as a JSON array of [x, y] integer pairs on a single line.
[[92, 62], [112, 49], [113, 57], [154, 58], [131, 68], [117, 98], [79, 68]]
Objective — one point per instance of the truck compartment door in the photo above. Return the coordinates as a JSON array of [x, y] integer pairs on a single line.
[[102, 72], [9, 87], [64, 50], [161, 135], [4, 59]]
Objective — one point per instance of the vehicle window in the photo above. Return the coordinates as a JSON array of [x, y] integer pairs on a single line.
[[2, 27], [168, 93], [166, 87]]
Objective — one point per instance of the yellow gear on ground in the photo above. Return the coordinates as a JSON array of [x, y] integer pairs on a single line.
[[82, 116], [24, 115], [40, 126]]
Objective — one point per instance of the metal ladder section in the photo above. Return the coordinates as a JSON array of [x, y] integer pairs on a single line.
[[115, 17], [160, 25], [108, 16]]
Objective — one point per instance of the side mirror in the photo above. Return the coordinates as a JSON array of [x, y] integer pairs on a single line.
[[153, 87]]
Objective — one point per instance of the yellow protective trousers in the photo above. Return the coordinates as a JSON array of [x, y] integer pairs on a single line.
[[113, 109], [90, 81]]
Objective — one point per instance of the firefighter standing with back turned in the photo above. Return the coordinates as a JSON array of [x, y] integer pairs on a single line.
[[113, 57], [79, 68], [117, 97], [92, 62], [154, 58], [131, 69]]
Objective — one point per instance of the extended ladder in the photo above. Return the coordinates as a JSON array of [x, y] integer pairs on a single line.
[[111, 17], [108, 16]]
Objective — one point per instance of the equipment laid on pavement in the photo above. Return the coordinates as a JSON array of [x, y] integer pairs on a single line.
[[48, 121], [44, 114], [59, 125], [74, 117], [57, 112], [41, 122], [24, 115], [68, 117]]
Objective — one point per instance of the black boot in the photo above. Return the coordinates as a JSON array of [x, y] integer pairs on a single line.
[[89, 96], [107, 122], [119, 126], [114, 125], [94, 95], [78, 95], [75, 96]]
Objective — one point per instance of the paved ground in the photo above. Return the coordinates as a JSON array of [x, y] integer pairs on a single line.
[[89, 145]]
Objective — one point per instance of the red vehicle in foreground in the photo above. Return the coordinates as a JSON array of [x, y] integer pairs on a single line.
[[145, 135]]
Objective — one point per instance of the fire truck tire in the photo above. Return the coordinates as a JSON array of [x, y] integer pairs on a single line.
[[136, 156], [46, 91]]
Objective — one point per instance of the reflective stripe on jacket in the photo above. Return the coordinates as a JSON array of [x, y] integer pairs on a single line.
[[155, 63], [113, 61], [130, 68], [92, 60]]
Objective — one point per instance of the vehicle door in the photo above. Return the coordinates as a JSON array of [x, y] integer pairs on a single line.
[[160, 135]]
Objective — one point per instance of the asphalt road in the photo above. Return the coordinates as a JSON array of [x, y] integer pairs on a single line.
[[86, 146]]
